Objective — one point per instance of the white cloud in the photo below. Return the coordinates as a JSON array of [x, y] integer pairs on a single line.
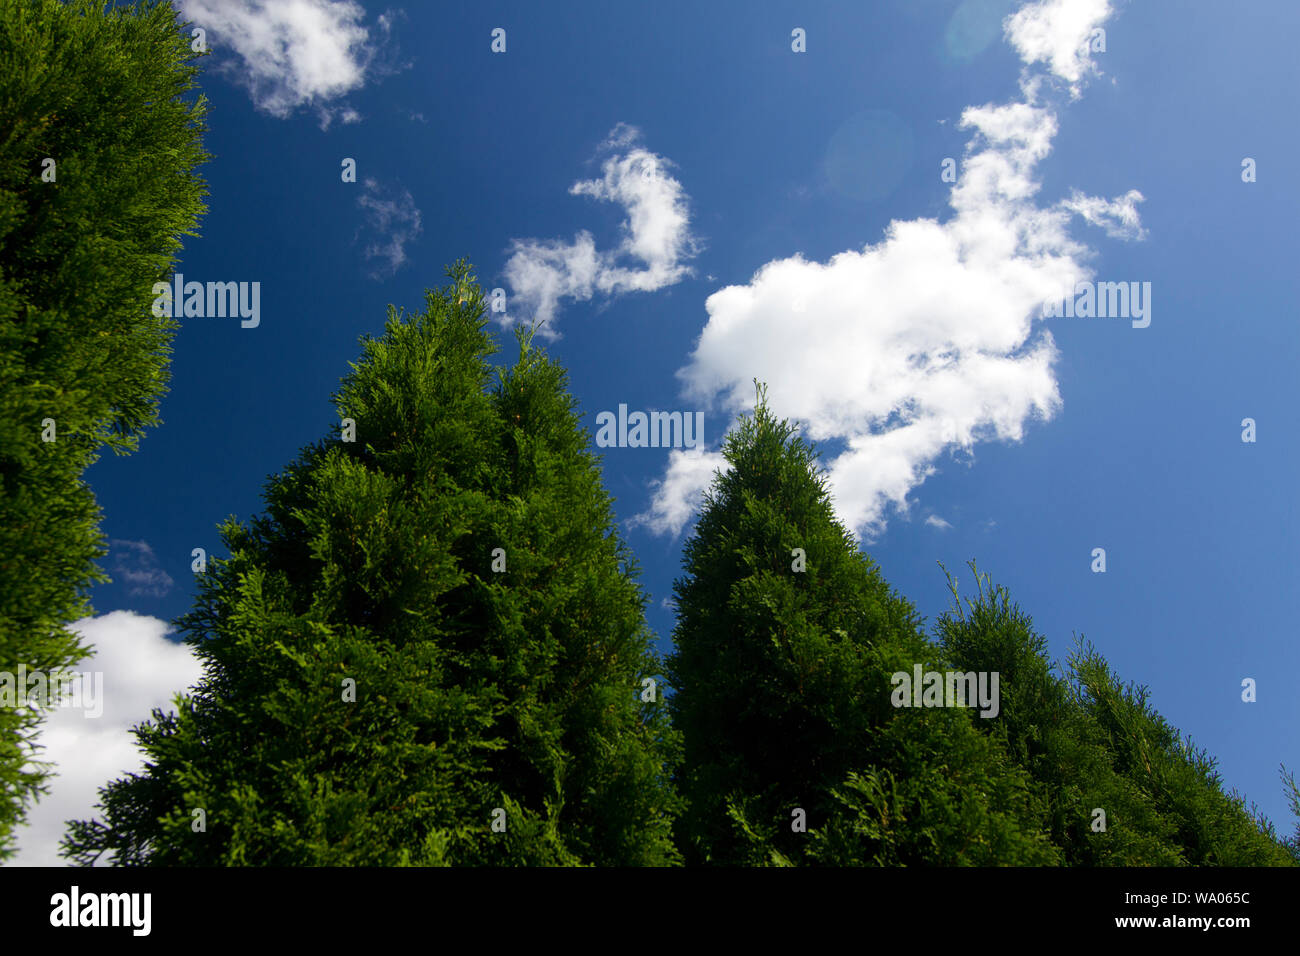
[[924, 341], [346, 115], [1056, 33], [1118, 216], [141, 670], [393, 219], [294, 52], [656, 239], [677, 497], [934, 521]]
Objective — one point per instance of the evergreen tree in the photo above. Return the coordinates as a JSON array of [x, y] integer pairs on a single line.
[[1092, 744], [786, 642], [97, 185], [459, 562], [1292, 843]]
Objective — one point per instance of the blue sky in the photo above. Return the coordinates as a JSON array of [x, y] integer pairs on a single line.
[[959, 423]]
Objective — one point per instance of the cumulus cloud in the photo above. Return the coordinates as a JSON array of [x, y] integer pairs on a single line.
[[1057, 33], [934, 521], [136, 566], [292, 53], [392, 220], [925, 341], [141, 669], [679, 494], [656, 239]]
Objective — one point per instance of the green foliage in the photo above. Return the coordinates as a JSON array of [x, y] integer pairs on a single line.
[[1088, 741], [1292, 843], [783, 691], [103, 94], [475, 689]]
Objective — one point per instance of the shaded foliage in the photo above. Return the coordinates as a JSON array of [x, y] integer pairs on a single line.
[[477, 689], [103, 93]]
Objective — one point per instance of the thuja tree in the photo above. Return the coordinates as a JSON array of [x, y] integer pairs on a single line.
[[1211, 826], [1292, 793], [97, 184], [1114, 782], [431, 649], [787, 641]]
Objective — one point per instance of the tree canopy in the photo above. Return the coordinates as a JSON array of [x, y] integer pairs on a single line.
[[1114, 782], [98, 184], [785, 647], [431, 648]]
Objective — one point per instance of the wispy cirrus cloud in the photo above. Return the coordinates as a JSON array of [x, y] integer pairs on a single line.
[[1118, 216], [925, 341], [392, 220], [656, 239], [136, 566]]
